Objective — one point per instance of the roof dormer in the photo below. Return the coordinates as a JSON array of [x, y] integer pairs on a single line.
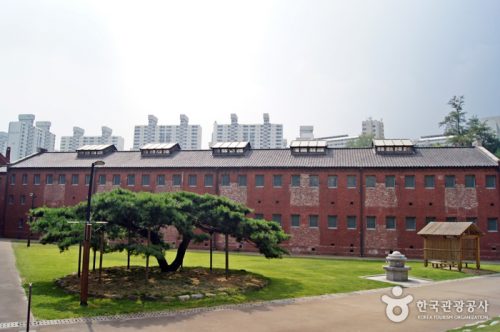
[[308, 147], [159, 149], [230, 148], [90, 151], [393, 146]]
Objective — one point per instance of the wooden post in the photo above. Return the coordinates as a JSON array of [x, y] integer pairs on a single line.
[[461, 253], [426, 261], [95, 255], [211, 250], [478, 250], [128, 250], [227, 255], [79, 258]]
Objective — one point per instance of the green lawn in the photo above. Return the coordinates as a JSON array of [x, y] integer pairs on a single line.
[[289, 277]]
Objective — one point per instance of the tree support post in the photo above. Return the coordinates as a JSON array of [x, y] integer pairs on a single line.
[[211, 249], [227, 255], [147, 255], [79, 258], [101, 251], [128, 249], [93, 262]]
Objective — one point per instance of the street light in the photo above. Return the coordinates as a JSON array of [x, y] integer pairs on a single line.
[[33, 196], [84, 280]]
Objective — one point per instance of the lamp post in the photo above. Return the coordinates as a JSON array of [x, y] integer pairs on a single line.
[[33, 196], [84, 280]]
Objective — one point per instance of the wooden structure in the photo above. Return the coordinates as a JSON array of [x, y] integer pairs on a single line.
[[451, 244]]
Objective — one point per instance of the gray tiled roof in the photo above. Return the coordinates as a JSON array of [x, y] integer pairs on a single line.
[[279, 158]]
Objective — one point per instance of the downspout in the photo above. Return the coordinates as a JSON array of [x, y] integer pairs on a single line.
[[361, 215]]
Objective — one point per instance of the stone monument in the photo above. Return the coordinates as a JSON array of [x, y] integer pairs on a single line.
[[396, 270]]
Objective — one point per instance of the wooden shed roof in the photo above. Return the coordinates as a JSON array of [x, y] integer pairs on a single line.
[[450, 228]]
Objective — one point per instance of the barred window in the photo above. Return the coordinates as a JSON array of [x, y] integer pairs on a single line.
[[371, 222], [390, 222], [332, 221], [259, 180]]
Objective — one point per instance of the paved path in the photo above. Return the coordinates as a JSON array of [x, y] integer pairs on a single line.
[[13, 304], [363, 311]]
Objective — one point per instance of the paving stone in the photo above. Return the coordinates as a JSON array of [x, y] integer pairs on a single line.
[[197, 296], [168, 298]]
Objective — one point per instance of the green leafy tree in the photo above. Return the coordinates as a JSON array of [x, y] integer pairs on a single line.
[[478, 130], [215, 214], [132, 217], [454, 122], [465, 132], [363, 141], [53, 225]]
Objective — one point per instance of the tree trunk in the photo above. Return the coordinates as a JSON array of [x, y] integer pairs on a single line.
[[162, 262], [179, 258]]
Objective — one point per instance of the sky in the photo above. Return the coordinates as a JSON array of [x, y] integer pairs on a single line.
[[330, 64]]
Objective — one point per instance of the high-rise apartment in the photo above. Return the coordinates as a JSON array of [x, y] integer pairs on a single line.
[[71, 143], [373, 127], [26, 138], [494, 123], [4, 137], [188, 136], [261, 136]]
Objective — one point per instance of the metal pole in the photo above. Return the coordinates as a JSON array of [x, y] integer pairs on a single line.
[[89, 195], [29, 309], [84, 280]]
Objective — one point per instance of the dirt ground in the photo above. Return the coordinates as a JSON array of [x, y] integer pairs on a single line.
[[118, 282]]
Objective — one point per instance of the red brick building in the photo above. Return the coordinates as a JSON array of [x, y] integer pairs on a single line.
[[332, 201]]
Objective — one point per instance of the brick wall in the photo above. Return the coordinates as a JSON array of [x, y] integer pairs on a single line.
[[284, 200], [3, 201]]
